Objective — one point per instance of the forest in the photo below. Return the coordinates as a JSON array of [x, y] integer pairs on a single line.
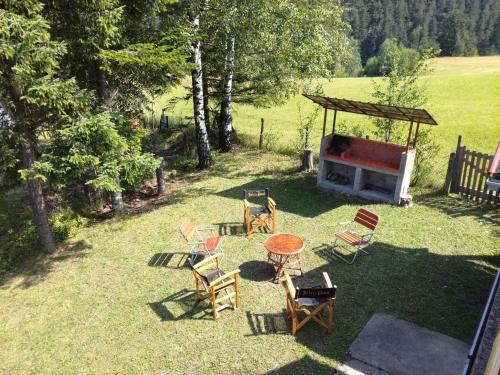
[[456, 27]]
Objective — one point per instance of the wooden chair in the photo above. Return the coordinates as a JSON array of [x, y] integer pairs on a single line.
[[312, 302], [259, 216], [200, 241], [358, 233], [216, 284]]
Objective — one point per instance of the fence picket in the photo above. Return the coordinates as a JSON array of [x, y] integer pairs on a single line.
[[469, 175], [463, 170], [482, 180], [474, 178]]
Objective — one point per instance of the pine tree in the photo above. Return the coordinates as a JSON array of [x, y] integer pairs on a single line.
[[34, 97]]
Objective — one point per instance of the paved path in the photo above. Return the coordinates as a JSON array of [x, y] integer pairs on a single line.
[[389, 346]]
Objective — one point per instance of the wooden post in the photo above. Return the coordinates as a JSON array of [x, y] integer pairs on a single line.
[[334, 121], [160, 178], [324, 123], [416, 135], [261, 138], [455, 177], [409, 136], [449, 174]]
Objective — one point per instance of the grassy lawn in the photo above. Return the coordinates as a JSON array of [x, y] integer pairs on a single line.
[[103, 304], [464, 93]]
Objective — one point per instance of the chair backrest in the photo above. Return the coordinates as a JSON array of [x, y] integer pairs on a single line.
[[256, 193], [367, 219], [318, 293], [187, 229]]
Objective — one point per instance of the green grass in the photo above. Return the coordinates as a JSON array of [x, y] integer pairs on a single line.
[[464, 93], [99, 306]]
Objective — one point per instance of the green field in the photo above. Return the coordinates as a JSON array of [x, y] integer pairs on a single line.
[[464, 97]]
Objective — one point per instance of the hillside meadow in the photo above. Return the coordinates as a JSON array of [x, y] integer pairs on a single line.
[[463, 97]]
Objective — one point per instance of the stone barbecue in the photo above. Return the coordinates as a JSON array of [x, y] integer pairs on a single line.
[[379, 171]]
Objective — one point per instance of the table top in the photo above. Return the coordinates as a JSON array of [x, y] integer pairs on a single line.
[[284, 244]]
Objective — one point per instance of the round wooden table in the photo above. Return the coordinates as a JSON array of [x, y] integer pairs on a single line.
[[284, 252]]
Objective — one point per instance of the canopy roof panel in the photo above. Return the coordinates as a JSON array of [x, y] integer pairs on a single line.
[[420, 116]]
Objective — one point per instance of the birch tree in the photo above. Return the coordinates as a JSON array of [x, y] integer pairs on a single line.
[[203, 145], [258, 51]]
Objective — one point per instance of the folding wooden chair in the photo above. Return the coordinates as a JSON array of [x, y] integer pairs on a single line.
[[200, 241], [216, 284], [312, 302], [358, 233], [259, 216]]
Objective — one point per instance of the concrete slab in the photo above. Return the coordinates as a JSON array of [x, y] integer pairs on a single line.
[[403, 348], [354, 367]]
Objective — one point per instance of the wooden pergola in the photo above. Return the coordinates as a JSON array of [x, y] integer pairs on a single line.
[[412, 115]]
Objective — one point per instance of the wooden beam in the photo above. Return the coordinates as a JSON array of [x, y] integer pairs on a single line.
[[324, 123], [334, 121]]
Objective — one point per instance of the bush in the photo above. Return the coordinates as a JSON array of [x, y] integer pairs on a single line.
[[65, 223]]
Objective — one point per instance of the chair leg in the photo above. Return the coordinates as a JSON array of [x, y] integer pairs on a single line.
[[341, 257], [214, 305], [237, 291]]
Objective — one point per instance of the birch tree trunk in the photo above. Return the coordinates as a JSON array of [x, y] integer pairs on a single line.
[[206, 111], [226, 119], [204, 157], [35, 190], [118, 198]]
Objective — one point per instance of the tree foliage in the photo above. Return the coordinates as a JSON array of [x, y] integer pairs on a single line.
[[402, 86], [97, 150], [33, 95], [419, 24]]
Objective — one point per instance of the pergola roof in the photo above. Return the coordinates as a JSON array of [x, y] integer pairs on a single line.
[[420, 116]]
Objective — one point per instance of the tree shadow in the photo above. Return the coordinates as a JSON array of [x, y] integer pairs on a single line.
[[306, 365], [296, 194], [35, 270], [455, 207], [180, 306], [257, 270], [169, 260]]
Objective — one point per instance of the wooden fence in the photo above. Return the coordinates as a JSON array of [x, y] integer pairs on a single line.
[[467, 174]]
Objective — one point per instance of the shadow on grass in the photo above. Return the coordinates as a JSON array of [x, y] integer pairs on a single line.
[[37, 268], [257, 270], [169, 260], [230, 229], [293, 193], [180, 306], [455, 207], [268, 324], [305, 365], [444, 293]]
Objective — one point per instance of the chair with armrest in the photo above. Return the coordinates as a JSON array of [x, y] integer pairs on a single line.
[[212, 283], [256, 217], [200, 240], [357, 234], [312, 302]]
